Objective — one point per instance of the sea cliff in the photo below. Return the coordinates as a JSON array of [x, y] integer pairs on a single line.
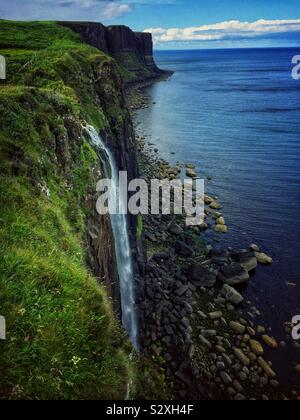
[[59, 287], [133, 50]]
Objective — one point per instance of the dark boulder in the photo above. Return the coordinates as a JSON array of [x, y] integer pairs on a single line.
[[220, 256], [233, 274], [201, 277], [246, 259], [184, 250]]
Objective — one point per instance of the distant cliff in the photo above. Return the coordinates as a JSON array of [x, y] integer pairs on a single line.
[[133, 50]]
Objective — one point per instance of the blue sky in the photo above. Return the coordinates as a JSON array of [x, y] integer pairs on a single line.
[[179, 23]]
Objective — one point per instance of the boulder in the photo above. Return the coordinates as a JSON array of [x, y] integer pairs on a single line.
[[201, 277], [208, 200], [184, 250], [191, 173], [270, 341], [215, 205], [220, 256], [254, 247], [231, 295], [175, 229], [246, 259], [221, 221], [237, 327], [263, 259], [240, 355], [203, 341], [221, 228], [233, 274], [267, 368], [190, 166], [215, 315], [256, 347]]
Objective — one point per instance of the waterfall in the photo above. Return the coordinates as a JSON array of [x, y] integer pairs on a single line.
[[121, 239]]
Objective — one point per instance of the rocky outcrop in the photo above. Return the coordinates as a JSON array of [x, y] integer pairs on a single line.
[[134, 50], [92, 33]]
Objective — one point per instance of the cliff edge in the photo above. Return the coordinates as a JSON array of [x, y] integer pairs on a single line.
[[132, 50]]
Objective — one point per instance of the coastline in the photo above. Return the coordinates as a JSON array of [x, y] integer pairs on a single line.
[[199, 335]]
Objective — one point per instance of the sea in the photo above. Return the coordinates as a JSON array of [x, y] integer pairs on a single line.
[[235, 114]]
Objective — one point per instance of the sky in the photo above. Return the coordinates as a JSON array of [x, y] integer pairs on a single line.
[[179, 24]]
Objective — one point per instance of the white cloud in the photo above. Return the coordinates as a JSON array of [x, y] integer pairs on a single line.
[[113, 10], [94, 10], [233, 29]]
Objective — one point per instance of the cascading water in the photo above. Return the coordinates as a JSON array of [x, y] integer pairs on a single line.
[[121, 239]]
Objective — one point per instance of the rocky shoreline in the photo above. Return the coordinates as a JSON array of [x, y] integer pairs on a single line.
[[192, 324]]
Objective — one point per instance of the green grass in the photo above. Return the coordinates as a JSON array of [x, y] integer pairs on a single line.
[[63, 339]]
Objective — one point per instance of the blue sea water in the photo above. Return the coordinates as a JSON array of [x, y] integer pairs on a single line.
[[236, 115]]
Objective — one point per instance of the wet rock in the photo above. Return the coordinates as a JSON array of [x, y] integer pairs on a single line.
[[261, 330], [221, 228], [215, 315], [182, 290], [225, 378], [184, 250], [238, 386], [237, 327], [263, 258], [240, 397], [191, 351], [270, 341], [190, 166], [215, 205], [208, 333], [267, 368], [246, 259], [231, 295], [191, 173], [175, 230], [254, 247], [227, 359], [184, 377], [233, 274], [202, 315], [220, 256], [161, 256], [240, 355], [220, 349], [201, 276], [256, 347], [251, 331], [151, 237], [204, 342], [221, 221]]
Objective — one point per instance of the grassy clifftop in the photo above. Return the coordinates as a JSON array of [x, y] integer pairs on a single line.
[[63, 339]]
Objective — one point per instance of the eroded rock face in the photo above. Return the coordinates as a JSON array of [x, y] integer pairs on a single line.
[[133, 49], [92, 33], [120, 39]]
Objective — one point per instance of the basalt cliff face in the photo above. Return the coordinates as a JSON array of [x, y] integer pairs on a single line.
[[64, 339], [133, 50]]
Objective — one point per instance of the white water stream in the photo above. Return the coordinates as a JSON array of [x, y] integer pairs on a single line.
[[121, 238]]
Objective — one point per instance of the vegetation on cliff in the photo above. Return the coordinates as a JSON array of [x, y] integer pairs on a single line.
[[63, 339]]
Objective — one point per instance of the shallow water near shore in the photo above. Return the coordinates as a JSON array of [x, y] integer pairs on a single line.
[[235, 114]]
